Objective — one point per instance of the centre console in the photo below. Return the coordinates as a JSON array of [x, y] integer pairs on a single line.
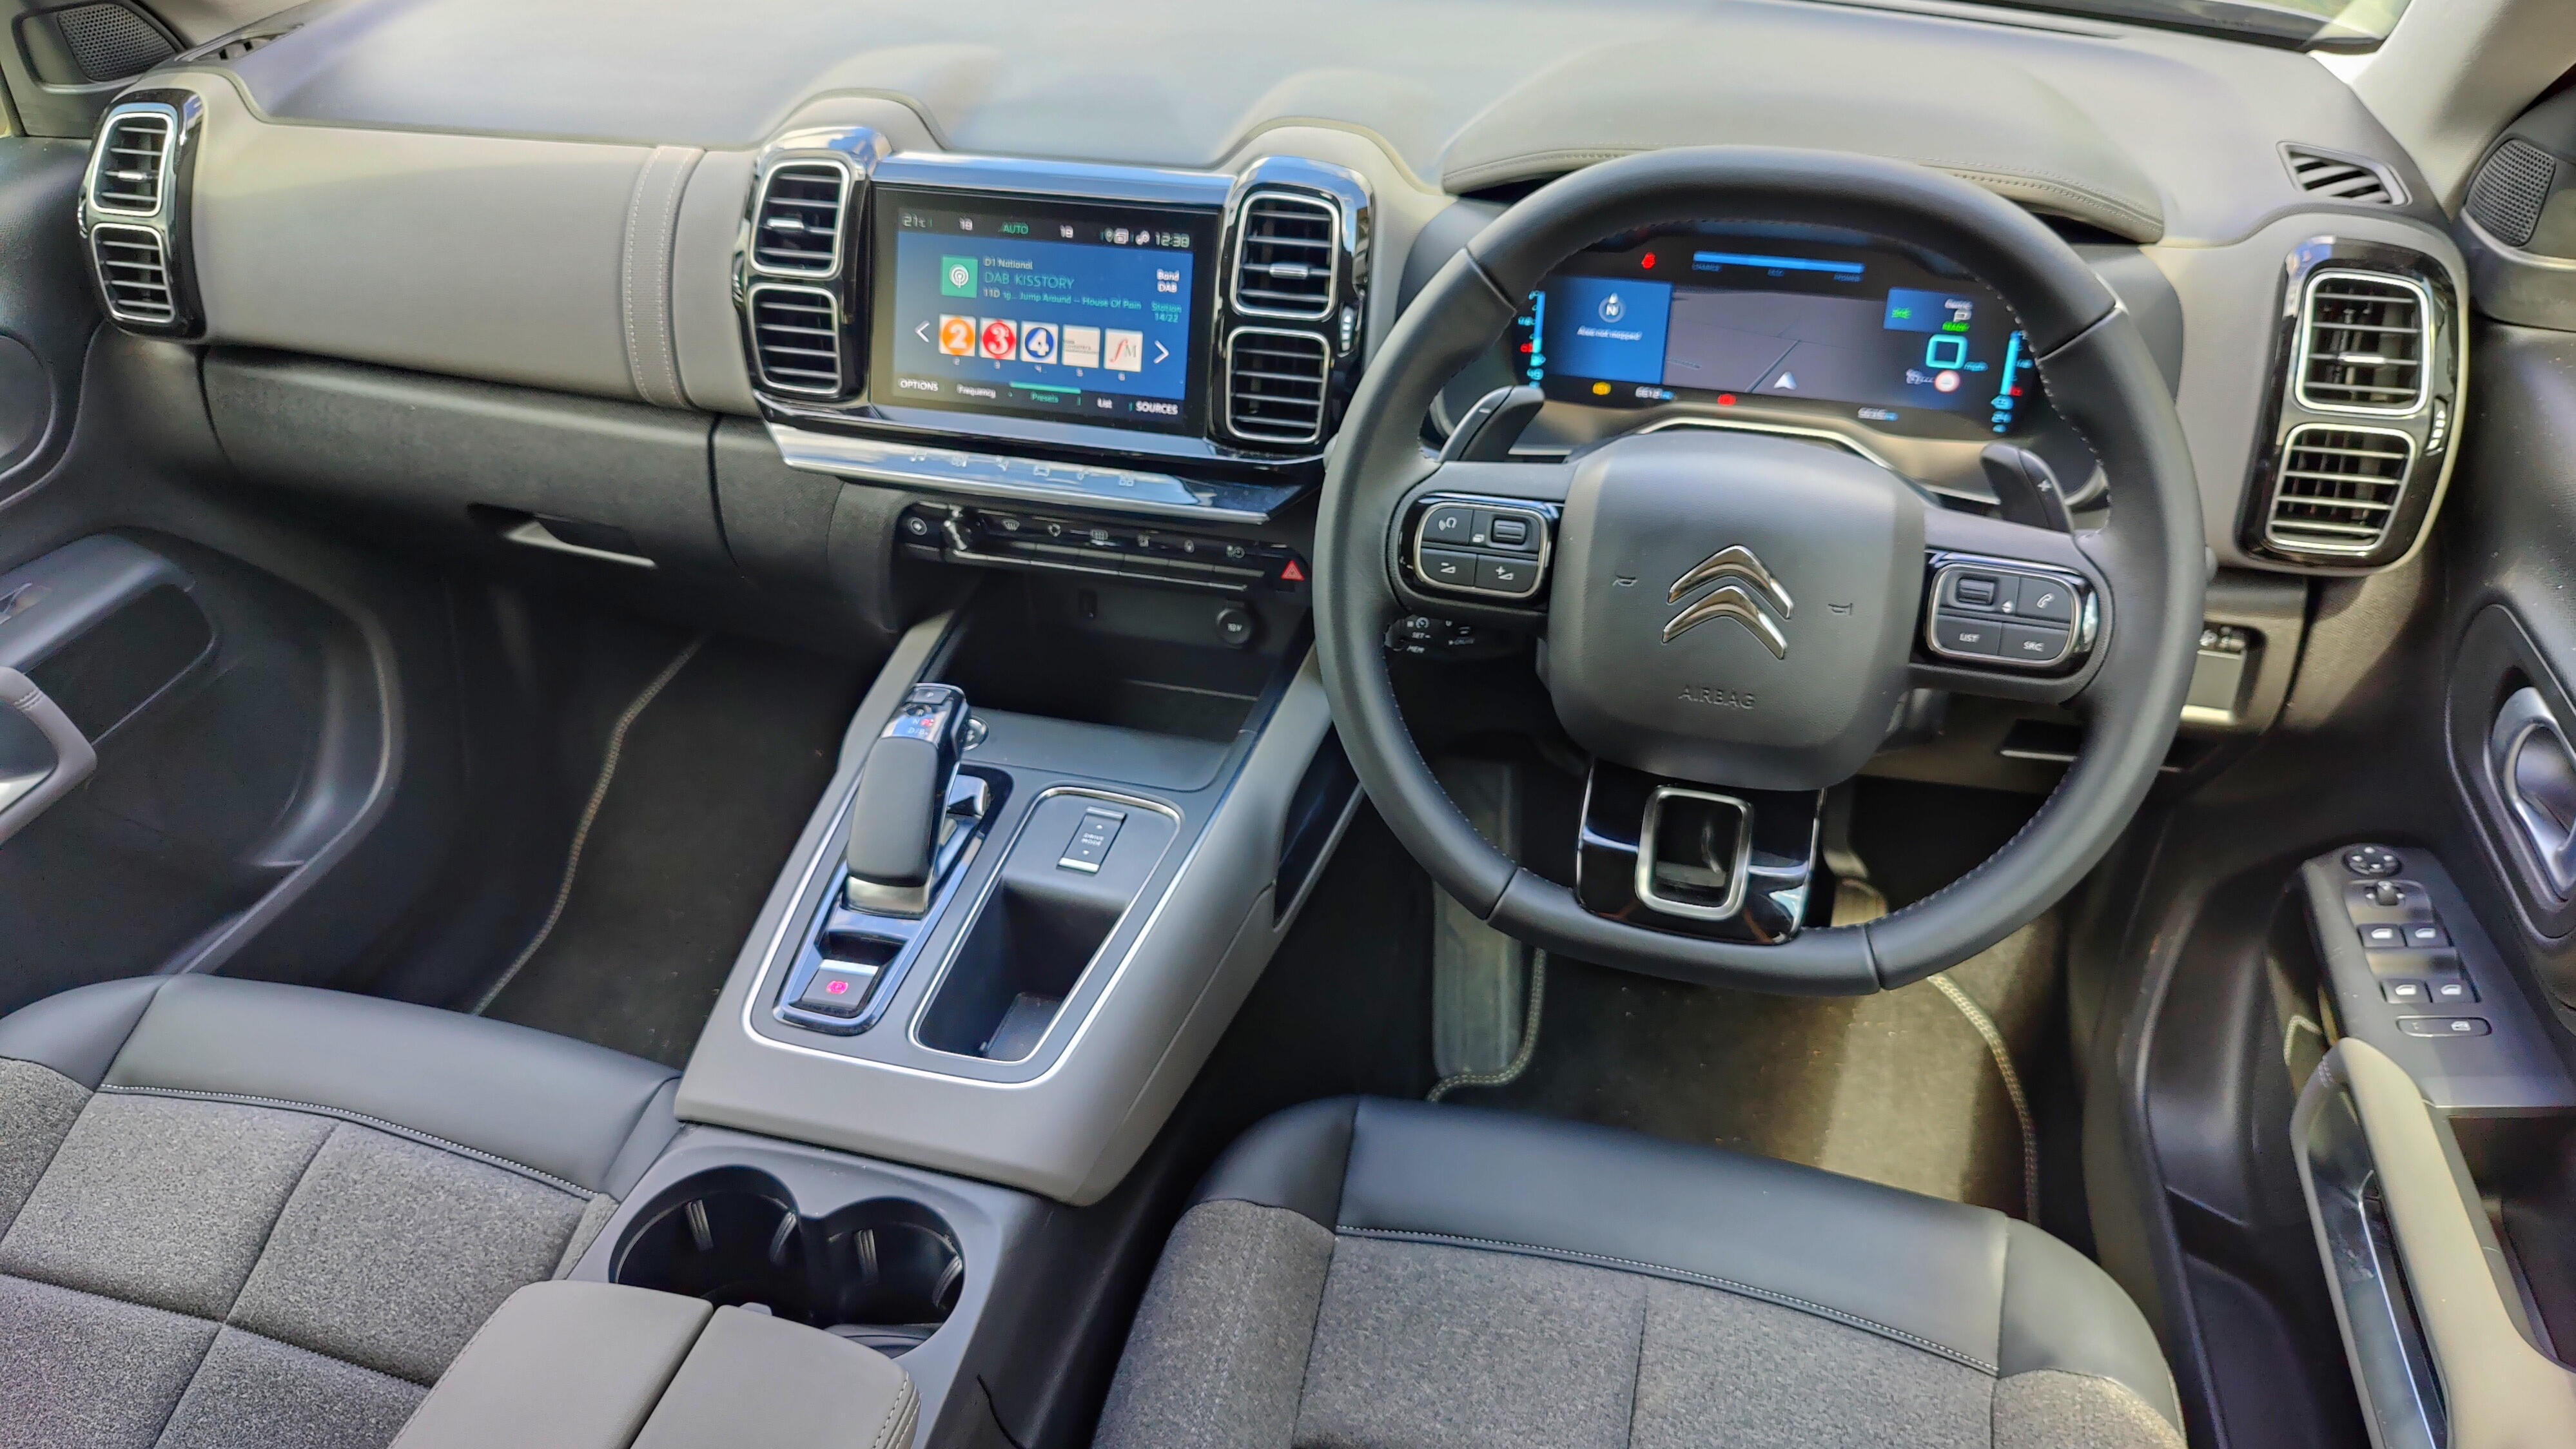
[[1127, 338]]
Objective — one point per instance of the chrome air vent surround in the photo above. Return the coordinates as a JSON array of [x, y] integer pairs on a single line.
[[133, 274], [798, 341], [2356, 434], [2363, 340], [1277, 384], [130, 172], [134, 212], [799, 225], [2339, 488], [1287, 256]]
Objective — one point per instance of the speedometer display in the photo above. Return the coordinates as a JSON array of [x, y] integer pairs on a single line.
[[1864, 333]]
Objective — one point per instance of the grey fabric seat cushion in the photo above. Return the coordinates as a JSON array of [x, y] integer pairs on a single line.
[[234, 1213], [1391, 1274]]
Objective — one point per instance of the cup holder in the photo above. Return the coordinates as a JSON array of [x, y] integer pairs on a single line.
[[885, 1273]]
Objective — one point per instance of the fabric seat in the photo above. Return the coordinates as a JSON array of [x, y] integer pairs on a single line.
[[237, 1214], [1394, 1274]]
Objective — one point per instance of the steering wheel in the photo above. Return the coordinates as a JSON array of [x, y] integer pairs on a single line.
[[1732, 621]]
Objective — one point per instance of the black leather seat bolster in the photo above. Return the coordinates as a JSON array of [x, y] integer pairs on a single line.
[[1964, 1282], [591, 1118]]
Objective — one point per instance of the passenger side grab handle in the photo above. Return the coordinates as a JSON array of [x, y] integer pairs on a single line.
[[42, 753]]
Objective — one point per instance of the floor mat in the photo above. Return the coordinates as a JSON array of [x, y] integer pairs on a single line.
[[1897, 1088], [718, 777]]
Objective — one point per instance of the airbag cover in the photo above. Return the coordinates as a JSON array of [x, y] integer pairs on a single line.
[[1732, 608]]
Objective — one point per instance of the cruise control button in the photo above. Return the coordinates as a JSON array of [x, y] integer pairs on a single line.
[[1980, 591], [1450, 567], [2032, 644], [1966, 634], [1506, 575], [1449, 523], [2444, 1025], [2046, 600]]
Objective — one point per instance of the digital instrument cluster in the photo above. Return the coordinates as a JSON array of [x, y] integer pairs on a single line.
[[1859, 333]]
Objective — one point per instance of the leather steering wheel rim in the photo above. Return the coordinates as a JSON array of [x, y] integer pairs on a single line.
[[2099, 376]]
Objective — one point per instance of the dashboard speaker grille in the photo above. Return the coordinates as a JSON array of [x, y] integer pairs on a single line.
[[1275, 384], [2341, 178], [110, 42], [2363, 340], [2510, 189], [1285, 256], [134, 273], [796, 340], [132, 165], [2338, 489], [797, 227]]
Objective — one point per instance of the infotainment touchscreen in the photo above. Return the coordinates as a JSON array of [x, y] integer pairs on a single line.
[[1865, 332], [1033, 307]]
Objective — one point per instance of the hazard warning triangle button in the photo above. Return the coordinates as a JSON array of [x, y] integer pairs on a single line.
[[1292, 574]]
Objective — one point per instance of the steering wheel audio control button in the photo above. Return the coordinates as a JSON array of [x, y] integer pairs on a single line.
[[2031, 644], [1450, 525], [1956, 634], [1983, 591], [2045, 601], [1450, 567]]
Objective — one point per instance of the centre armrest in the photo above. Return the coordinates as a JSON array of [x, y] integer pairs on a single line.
[[597, 1366]]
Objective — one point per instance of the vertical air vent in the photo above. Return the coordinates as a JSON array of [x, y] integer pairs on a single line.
[[1285, 252], [2363, 341], [2338, 489], [133, 164], [796, 339], [2342, 178], [797, 226], [2510, 189], [1275, 384], [134, 273]]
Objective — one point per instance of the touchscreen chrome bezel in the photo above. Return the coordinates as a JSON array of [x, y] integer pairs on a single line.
[[940, 184]]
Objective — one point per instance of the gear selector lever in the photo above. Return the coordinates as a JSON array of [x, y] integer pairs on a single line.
[[912, 806]]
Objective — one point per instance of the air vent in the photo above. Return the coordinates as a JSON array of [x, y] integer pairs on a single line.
[[1275, 384], [1284, 256], [2338, 489], [2363, 339], [134, 272], [2342, 178], [133, 164], [2510, 189], [796, 339], [797, 228]]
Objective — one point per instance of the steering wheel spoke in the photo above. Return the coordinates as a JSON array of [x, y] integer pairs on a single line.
[[1718, 862]]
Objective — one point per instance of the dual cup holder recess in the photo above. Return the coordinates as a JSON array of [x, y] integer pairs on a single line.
[[885, 1273]]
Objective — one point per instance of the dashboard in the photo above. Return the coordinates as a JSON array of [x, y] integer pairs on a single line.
[[1136, 271]]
